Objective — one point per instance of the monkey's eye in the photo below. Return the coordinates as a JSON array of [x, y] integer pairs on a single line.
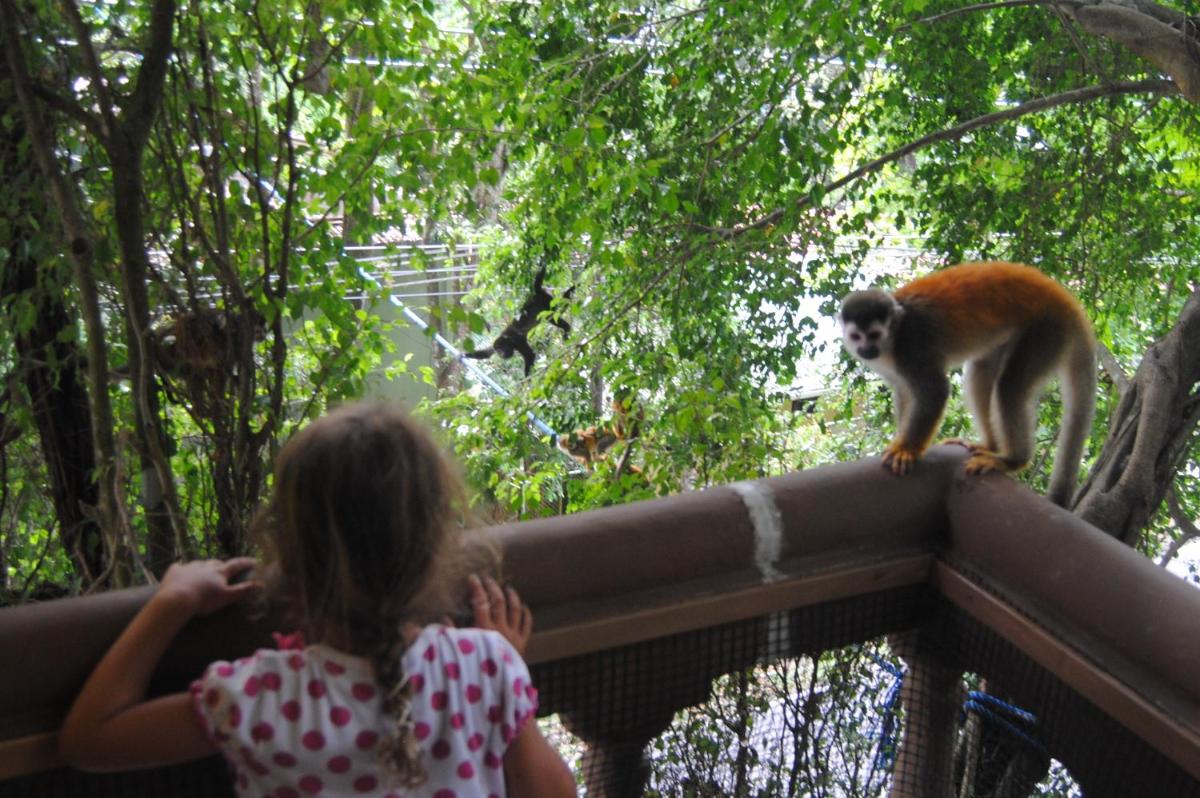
[[874, 335], [854, 336]]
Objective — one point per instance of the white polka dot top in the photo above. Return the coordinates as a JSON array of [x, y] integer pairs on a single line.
[[306, 721]]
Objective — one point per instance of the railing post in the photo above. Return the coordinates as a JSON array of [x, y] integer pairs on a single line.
[[615, 763], [931, 697]]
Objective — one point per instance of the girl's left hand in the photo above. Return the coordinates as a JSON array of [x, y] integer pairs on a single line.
[[203, 586]]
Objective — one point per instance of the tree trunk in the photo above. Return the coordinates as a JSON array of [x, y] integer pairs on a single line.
[[48, 359], [81, 252], [164, 521], [1149, 434]]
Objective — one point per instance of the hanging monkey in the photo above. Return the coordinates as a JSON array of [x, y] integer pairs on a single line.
[[515, 337], [1013, 327]]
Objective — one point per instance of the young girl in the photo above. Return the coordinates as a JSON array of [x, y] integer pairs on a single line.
[[363, 550]]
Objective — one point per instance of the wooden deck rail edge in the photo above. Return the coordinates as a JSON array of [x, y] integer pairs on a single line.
[[1037, 576]]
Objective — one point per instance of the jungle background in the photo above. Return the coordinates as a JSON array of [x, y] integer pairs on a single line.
[[206, 204]]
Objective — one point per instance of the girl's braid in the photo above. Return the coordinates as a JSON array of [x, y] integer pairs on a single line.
[[398, 752]]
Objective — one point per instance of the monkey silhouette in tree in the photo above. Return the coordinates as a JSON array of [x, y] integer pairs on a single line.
[[515, 337]]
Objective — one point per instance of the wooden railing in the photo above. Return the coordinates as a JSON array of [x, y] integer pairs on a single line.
[[611, 588]]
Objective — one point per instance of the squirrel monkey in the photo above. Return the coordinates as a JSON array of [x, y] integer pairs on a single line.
[[1012, 327]]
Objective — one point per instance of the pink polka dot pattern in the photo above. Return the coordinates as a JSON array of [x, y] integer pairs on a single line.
[[307, 721], [262, 732], [291, 710]]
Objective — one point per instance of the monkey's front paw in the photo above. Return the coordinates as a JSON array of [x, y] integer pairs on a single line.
[[983, 461], [900, 458]]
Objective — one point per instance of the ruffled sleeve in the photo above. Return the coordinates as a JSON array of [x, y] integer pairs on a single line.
[[215, 697], [515, 697]]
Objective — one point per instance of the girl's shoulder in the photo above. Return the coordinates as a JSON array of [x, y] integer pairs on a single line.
[[285, 670], [440, 642]]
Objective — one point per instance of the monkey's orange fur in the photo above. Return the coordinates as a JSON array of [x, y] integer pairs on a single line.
[[978, 302], [1013, 328]]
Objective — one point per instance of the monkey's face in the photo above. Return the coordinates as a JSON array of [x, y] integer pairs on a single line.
[[865, 344], [867, 323]]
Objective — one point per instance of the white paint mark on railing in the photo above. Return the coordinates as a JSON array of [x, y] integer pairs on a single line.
[[767, 522]]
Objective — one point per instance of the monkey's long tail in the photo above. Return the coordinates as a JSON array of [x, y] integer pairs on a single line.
[[1079, 403]]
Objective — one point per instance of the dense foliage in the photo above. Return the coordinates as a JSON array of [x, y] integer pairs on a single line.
[[709, 178]]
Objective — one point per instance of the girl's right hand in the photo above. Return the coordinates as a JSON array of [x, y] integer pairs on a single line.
[[203, 586], [500, 609]]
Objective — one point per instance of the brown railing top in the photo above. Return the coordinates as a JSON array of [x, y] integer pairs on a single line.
[[618, 575]]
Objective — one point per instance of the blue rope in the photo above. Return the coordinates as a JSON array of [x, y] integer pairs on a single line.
[[999, 712], [887, 728]]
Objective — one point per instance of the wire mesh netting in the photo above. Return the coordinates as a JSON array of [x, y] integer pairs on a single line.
[[892, 693], [822, 701]]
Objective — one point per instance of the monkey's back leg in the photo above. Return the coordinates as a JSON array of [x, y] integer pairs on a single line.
[[979, 381], [522, 346], [1031, 360]]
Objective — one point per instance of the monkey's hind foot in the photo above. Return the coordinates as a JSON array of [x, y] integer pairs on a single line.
[[982, 461]]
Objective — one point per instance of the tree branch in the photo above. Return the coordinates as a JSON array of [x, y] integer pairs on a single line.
[[1113, 369], [1163, 36], [72, 109], [92, 64], [953, 134], [972, 9], [152, 74], [1188, 530]]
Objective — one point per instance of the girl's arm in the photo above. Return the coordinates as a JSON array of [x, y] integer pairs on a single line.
[[112, 726], [532, 768]]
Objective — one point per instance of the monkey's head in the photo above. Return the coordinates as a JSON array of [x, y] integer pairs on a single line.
[[868, 322]]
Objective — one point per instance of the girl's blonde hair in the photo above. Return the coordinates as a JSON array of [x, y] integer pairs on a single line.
[[365, 532]]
